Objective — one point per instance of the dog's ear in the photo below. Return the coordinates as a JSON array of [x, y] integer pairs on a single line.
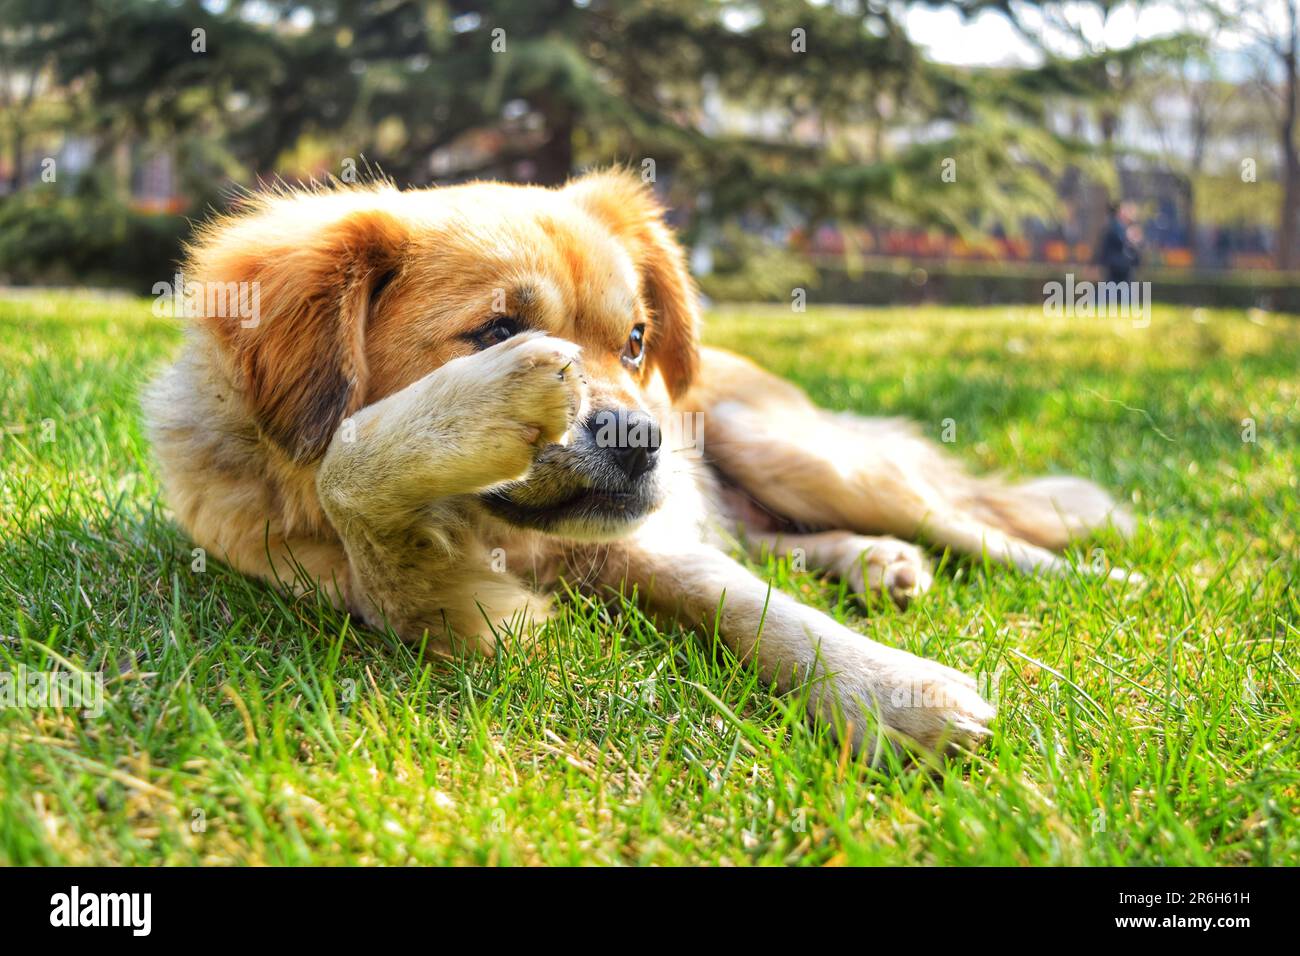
[[306, 271], [625, 204]]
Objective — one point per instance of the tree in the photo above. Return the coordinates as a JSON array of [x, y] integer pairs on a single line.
[[764, 106], [26, 53], [783, 110], [1185, 139], [1080, 66], [1273, 31]]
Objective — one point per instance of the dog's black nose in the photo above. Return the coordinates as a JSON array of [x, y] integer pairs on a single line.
[[629, 437]]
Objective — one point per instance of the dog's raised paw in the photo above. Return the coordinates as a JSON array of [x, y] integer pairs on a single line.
[[515, 398], [544, 387]]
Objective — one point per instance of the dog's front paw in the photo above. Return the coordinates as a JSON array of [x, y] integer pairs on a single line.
[[909, 700], [477, 421], [540, 386], [516, 398], [936, 706]]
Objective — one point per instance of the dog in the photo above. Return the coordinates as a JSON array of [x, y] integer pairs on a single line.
[[454, 398]]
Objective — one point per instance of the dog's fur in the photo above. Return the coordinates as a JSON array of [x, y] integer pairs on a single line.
[[367, 437]]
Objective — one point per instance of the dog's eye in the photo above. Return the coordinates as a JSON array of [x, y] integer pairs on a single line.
[[494, 333], [634, 351]]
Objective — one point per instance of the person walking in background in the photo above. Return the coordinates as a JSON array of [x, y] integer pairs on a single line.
[[1117, 249]]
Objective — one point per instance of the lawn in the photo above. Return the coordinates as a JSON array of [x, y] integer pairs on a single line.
[[1138, 726]]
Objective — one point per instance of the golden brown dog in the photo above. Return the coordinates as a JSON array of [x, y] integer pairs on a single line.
[[452, 398]]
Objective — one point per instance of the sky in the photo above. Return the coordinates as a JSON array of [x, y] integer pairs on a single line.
[[991, 40]]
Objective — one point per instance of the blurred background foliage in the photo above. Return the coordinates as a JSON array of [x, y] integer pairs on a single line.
[[790, 138]]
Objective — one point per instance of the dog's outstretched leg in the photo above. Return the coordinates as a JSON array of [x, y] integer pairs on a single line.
[[866, 690]]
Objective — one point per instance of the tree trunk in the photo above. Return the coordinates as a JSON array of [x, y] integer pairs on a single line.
[[1286, 227], [554, 161], [16, 176], [1200, 137]]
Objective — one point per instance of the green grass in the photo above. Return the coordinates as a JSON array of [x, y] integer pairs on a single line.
[[241, 726]]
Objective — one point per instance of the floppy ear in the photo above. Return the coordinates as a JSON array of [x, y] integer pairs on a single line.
[[310, 268], [625, 204]]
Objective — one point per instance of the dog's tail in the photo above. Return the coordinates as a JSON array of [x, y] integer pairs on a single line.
[[1049, 512]]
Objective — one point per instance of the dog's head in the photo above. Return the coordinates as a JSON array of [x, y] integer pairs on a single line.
[[361, 292]]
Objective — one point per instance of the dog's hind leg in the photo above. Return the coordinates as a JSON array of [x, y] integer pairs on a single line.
[[868, 565], [878, 476]]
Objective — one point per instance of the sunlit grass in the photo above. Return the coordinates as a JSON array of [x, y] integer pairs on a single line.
[[241, 726]]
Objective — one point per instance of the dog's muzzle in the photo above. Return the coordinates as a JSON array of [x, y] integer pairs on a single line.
[[600, 484]]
